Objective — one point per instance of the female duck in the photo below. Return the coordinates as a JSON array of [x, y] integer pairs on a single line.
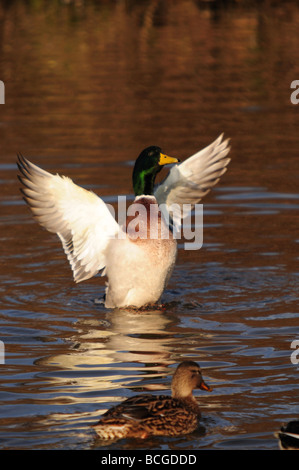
[[150, 415], [137, 263]]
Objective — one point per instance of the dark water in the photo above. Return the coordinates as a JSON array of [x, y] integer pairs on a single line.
[[87, 87]]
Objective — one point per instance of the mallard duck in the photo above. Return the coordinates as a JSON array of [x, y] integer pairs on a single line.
[[151, 415], [137, 267], [289, 436]]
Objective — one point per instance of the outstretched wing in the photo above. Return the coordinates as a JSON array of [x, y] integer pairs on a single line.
[[79, 217], [191, 180]]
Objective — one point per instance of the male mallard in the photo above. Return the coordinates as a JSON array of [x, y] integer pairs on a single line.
[[148, 415], [137, 268], [289, 436]]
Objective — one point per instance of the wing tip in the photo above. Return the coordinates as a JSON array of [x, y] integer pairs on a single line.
[[22, 165]]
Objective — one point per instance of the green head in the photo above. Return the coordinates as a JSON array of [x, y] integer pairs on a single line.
[[147, 165]]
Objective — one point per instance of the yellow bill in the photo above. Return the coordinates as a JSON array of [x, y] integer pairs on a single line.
[[165, 159]]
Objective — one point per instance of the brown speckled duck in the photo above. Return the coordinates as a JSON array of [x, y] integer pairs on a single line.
[[156, 415]]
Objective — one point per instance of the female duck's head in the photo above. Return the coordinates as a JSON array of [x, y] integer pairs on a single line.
[[186, 378], [147, 165]]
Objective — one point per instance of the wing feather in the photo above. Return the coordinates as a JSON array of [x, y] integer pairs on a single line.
[[191, 180], [79, 217]]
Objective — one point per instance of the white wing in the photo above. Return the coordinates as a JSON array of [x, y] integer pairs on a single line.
[[192, 179], [80, 218]]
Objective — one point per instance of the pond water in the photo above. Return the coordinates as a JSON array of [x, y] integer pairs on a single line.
[[88, 85]]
